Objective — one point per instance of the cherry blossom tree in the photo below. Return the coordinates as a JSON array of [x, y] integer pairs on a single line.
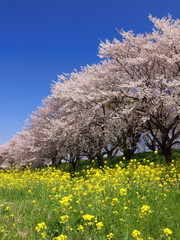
[[107, 107], [150, 72]]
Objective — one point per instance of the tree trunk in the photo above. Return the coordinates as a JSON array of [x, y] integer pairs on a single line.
[[100, 160], [74, 165], [75, 161], [54, 158], [167, 154], [57, 163], [128, 153]]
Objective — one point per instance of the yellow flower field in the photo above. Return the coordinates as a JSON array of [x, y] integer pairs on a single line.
[[136, 202]]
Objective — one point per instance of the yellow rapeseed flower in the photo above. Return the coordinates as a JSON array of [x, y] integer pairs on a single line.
[[65, 201], [40, 226], [88, 217], [145, 211], [135, 233], [123, 192], [7, 208], [99, 225], [114, 201], [167, 231], [61, 237], [89, 224], [80, 228], [64, 219], [43, 235], [110, 236], [121, 220]]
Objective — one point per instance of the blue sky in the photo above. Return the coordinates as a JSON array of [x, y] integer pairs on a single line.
[[40, 39]]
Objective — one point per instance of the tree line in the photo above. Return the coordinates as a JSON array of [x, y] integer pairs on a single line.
[[131, 94]]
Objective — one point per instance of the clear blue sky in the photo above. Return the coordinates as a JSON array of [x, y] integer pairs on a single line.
[[40, 39]]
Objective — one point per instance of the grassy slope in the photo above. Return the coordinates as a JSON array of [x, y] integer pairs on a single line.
[[156, 158]]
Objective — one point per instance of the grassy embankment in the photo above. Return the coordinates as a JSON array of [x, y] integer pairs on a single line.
[[125, 201]]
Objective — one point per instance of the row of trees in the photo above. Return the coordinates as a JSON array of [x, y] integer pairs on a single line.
[[132, 94]]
